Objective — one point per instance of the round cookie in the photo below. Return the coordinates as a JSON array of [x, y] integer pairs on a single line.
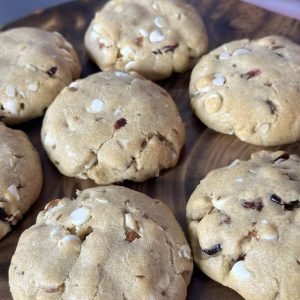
[[250, 89], [34, 65], [244, 225], [111, 127], [20, 177], [108, 243], [153, 38]]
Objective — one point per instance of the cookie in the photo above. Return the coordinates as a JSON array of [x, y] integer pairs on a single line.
[[153, 38], [108, 243], [112, 126], [244, 225], [250, 89], [20, 177], [35, 65]]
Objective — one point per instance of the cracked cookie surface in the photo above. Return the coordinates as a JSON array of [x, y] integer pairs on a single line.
[[20, 177], [244, 226], [111, 127], [108, 243], [153, 38], [35, 66], [250, 89]]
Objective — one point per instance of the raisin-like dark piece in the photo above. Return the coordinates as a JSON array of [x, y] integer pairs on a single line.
[[165, 49], [120, 123], [251, 74], [258, 204], [51, 72], [292, 205], [276, 199], [284, 156], [215, 249]]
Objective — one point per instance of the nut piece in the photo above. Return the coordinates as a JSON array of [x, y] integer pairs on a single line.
[[185, 251]]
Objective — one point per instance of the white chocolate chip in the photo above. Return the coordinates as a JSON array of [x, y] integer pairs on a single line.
[[80, 216], [220, 203], [156, 36], [224, 55], [185, 252], [96, 106], [49, 140], [70, 242], [55, 232], [122, 74], [159, 22], [10, 106], [240, 51], [31, 67], [11, 91], [127, 51], [130, 222], [155, 6], [143, 32], [219, 80], [13, 191], [97, 28], [33, 87], [74, 85], [239, 270]]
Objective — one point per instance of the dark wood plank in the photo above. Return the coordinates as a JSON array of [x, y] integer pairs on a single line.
[[204, 150]]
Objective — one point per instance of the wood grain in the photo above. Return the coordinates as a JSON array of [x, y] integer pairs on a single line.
[[204, 150]]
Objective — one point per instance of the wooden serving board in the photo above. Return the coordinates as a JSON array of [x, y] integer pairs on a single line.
[[204, 149]]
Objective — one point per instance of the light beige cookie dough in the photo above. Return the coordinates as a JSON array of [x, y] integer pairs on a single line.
[[112, 126], [250, 89], [244, 225], [108, 243], [20, 177], [153, 38], [34, 66]]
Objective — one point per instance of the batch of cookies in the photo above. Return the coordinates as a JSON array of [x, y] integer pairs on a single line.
[[115, 243]]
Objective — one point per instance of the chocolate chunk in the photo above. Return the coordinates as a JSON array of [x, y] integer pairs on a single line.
[[120, 123], [251, 74], [215, 249], [131, 236], [165, 49], [284, 156], [258, 204], [51, 72]]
